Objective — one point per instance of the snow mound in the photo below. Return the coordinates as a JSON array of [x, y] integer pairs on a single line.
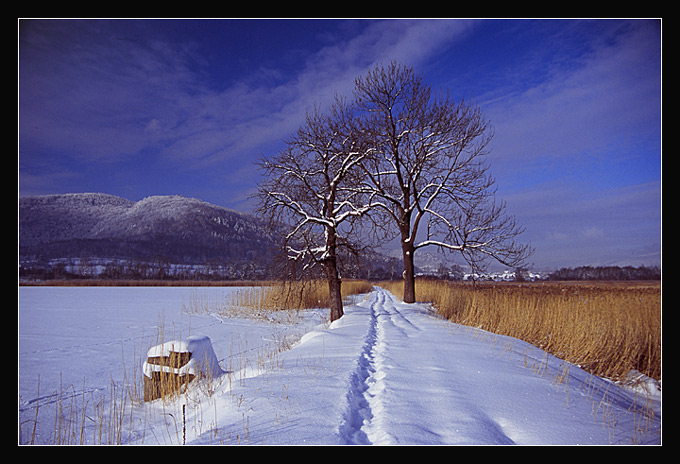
[[202, 363], [639, 382]]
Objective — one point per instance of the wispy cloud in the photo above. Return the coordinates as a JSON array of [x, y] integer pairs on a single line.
[[102, 91], [607, 98]]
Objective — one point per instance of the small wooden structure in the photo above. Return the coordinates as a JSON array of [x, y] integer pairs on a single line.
[[172, 365]]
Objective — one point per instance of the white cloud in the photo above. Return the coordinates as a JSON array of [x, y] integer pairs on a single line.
[[249, 114], [104, 92], [608, 97]]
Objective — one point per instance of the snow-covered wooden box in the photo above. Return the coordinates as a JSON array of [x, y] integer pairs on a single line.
[[172, 364]]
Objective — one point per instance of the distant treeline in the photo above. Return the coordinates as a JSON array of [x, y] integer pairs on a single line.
[[160, 269], [607, 273]]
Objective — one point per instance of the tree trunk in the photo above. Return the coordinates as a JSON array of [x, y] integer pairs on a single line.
[[331, 267], [409, 273], [334, 290]]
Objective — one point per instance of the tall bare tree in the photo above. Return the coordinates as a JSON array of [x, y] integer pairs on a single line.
[[427, 172], [310, 189]]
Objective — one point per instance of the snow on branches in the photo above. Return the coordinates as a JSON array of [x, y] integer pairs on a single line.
[[399, 160]]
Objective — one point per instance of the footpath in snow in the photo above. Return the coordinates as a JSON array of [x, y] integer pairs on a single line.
[[390, 373]]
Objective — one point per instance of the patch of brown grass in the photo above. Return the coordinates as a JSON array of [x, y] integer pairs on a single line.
[[299, 294], [257, 300]]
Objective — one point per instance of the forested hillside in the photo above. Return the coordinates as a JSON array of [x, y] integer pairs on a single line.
[[99, 235], [157, 229]]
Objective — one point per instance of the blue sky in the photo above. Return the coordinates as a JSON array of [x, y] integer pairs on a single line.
[[159, 107]]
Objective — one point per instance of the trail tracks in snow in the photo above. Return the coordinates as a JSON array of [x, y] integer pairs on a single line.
[[400, 378], [363, 397]]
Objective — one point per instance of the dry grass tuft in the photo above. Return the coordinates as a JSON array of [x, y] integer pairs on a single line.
[[309, 294], [306, 294]]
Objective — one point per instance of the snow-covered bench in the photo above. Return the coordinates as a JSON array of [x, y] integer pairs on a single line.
[[172, 364]]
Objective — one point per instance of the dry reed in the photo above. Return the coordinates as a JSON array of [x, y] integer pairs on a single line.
[[307, 294], [606, 328]]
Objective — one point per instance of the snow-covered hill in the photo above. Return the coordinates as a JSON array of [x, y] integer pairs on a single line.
[[91, 234], [93, 225]]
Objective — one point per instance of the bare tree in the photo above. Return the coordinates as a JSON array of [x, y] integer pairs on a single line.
[[309, 188], [427, 172]]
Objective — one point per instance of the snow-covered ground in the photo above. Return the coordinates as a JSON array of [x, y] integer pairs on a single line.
[[385, 373]]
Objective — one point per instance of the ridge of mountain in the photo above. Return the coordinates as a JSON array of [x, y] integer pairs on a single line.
[[179, 229], [162, 236]]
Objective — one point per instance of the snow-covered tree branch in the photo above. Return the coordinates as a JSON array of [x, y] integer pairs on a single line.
[[310, 188], [396, 156], [428, 170]]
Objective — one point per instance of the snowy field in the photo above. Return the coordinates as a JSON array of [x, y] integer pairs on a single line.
[[386, 373]]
